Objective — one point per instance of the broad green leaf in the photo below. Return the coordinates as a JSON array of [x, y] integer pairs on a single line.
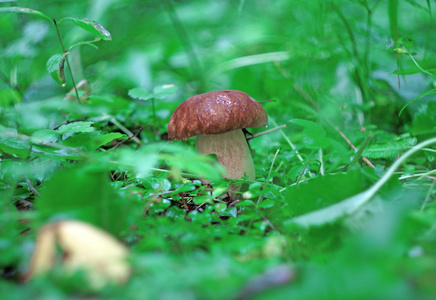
[[15, 146], [24, 10], [90, 26], [139, 162], [76, 127], [162, 91], [84, 193], [314, 135], [140, 94], [322, 191], [46, 135], [109, 137], [220, 207], [58, 154], [353, 204], [56, 68]]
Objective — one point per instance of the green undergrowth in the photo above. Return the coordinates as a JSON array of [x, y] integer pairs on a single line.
[[343, 202]]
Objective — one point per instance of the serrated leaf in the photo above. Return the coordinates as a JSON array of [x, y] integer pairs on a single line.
[[140, 94], [24, 10], [90, 26], [56, 68], [76, 127], [162, 91], [389, 149]]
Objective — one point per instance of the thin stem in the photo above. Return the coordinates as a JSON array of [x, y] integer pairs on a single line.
[[66, 58], [306, 164], [265, 132], [272, 164], [321, 161], [289, 142], [349, 142], [417, 65], [125, 130], [360, 151], [427, 197], [186, 41], [361, 80]]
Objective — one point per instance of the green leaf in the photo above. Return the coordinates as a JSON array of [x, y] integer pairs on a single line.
[[220, 207], [9, 97], [107, 138], [76, 127], [46, 135], [412, 71], [90, 26], [139, 162], [322, 191], [424, 123], [388, 149], [56, 68], [14, 146], [84, 194], [353, 204], [24, 10], [162, 91], [393, 13], [140, 94], [417, 98], [314, 135]]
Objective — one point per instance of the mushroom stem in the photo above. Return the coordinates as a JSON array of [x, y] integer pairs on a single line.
[[232, 152]]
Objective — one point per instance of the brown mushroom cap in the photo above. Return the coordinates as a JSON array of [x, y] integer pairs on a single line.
[[215, 113]]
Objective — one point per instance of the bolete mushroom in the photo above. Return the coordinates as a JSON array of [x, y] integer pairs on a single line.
[[217, 119]]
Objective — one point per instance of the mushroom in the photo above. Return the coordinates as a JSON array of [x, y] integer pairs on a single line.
[[217, 119], [84, 247]]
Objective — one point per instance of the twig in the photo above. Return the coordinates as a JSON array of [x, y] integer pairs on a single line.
[[31, 187], [266, 101], [349, 142], [265, 132], [268, 221], [125, 130]]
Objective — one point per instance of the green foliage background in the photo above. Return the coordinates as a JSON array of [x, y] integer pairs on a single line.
[[355, 72]]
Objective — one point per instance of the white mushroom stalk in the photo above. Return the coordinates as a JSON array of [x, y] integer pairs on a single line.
[[232, 153]]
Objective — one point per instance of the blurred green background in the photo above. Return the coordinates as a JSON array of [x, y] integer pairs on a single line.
[[339, 73]]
